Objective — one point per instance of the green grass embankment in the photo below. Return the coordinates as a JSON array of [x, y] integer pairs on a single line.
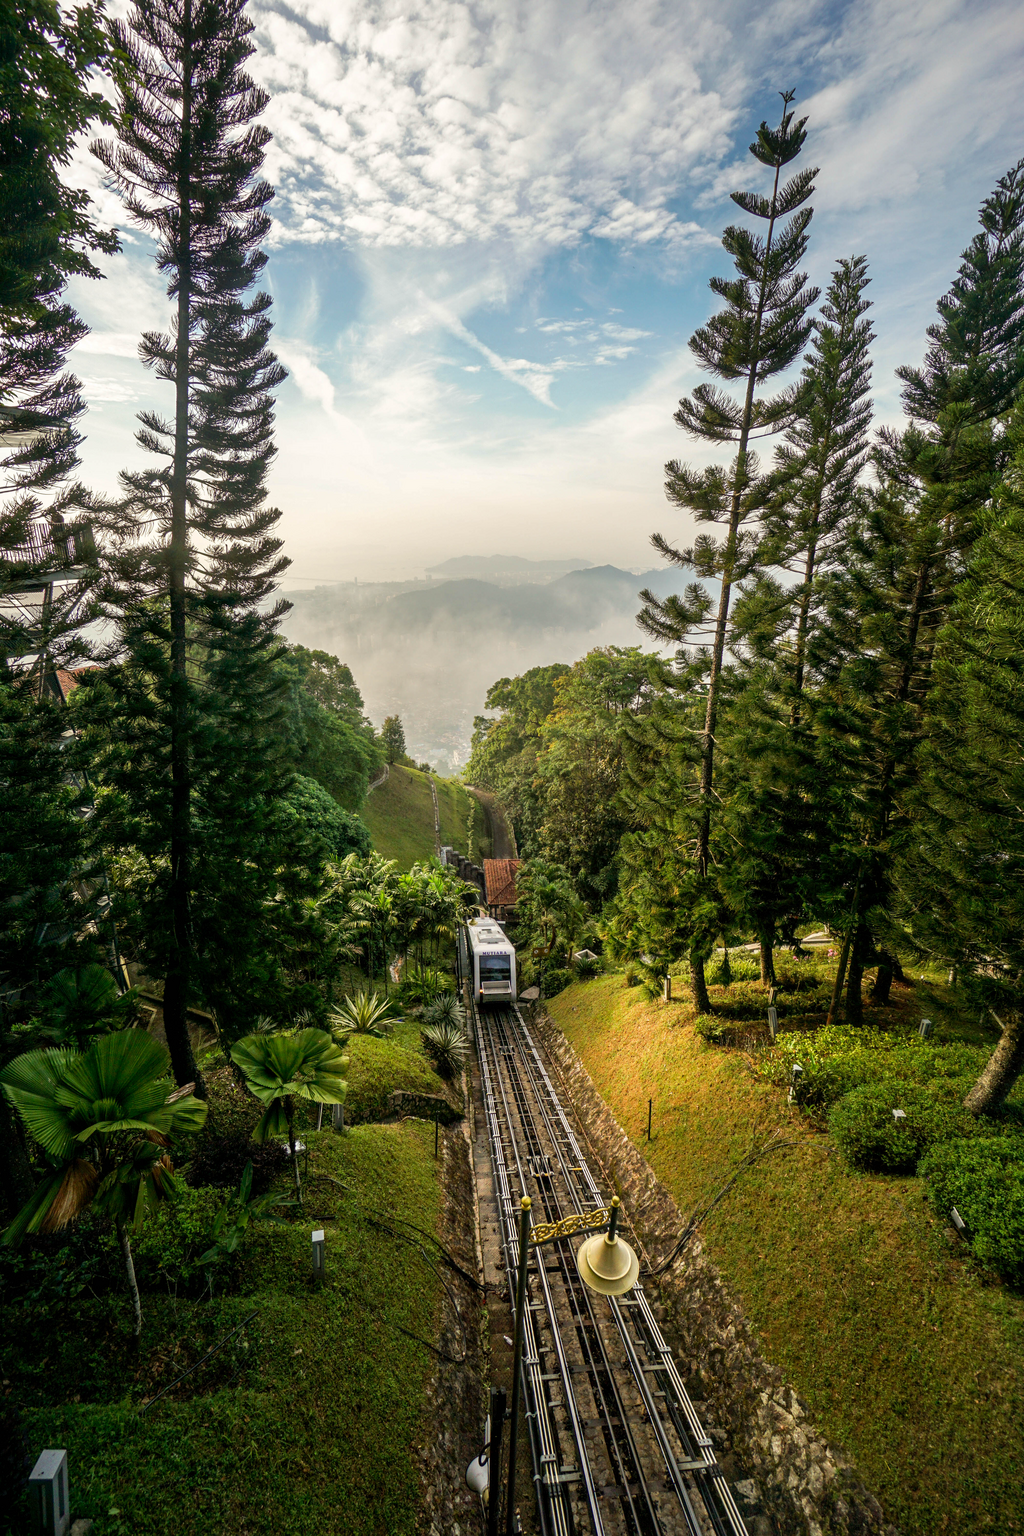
[[305, 1422], [379, 1068], [400, 816], [907, 1354]]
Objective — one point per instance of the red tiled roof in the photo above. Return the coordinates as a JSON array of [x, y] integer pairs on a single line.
[[70, 677], [500, 881]]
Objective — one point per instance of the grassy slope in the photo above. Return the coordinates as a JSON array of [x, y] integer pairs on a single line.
[[454, 802], [400, 816], [378, 1068], [316, 1433], [905, 1353]]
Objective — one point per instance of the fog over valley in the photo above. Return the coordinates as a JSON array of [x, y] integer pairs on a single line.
[[429, 649]]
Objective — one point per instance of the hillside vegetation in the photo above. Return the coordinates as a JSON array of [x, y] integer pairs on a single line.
[[303, 1422], [908, 1354], [400, 816]]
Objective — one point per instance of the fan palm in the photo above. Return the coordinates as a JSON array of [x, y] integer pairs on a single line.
[[278, 1069], [103, 1118]]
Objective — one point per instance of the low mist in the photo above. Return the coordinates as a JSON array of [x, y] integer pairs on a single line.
[[429, 650]]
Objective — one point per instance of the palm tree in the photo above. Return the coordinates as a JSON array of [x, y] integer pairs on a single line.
[[103, 1118], [278, 1069]]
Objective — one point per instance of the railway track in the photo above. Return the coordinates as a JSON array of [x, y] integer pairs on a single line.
[[616, 1444]]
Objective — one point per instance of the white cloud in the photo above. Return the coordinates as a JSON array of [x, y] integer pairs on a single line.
[[449, 122]]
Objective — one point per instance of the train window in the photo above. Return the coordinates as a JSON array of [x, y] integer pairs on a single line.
[[495, 968]]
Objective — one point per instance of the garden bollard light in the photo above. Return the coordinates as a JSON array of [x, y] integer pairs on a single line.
[[794, 1091], [668, 989], [318, 1256], [925, 1028], [773, 1023], [48, 1489]]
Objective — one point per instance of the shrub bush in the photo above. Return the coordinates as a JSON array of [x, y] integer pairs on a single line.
[[839, 1059], [863, 1127], [587, 966], [556, 980], [984, 1179], [735, 967], [708, 1028], [219, 1162]]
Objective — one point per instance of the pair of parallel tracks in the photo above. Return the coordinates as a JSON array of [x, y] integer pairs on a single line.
[[617, 1446]]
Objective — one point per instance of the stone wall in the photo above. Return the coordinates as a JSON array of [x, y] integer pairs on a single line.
[[798, 1483], [456, 1397]]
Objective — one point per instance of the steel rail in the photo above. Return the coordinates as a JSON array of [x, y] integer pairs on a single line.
[[580, 1171], [636, 1324], [552, 1503], [615, 1421]]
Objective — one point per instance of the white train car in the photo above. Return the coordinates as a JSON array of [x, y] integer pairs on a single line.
[[492, 962]]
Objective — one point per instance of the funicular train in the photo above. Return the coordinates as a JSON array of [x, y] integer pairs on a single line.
[[490, 962]]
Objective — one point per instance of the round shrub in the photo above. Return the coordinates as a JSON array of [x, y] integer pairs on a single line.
[[556, 980], [984, 1179], [863, 1127]]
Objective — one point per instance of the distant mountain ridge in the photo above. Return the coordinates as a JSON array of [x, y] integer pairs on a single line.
[[581, 601], [504, 570]]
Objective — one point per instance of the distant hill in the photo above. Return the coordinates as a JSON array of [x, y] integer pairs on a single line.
[[400, 816], [430, 650], [579, 602], [504, 570]]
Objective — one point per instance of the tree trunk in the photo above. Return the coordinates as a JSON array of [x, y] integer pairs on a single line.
[[699, 986], [767, 960], [882, 984], [16, 1181], [854, 987], [177, 983], [289, 1110], [133, 1284], [1002, 1069]]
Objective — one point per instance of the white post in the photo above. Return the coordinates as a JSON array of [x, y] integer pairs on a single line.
[[48, 1490], [668, 989]]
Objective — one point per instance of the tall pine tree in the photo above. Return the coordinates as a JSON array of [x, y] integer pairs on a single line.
[[197, 553], [935, 481], [759, 333]]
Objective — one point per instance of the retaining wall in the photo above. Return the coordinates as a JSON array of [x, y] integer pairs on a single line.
[[801, 1482]]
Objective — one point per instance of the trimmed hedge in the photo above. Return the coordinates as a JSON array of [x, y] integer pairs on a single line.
[[984, 1179], [865, 1131], [839, 1059]]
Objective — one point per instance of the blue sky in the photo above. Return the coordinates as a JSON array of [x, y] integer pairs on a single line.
[[494, 226]]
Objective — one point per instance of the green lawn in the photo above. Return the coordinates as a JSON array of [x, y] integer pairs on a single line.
[[907, 1354], [307, 1425], [400, 816]]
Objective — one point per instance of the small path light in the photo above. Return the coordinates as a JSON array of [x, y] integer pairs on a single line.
[[773, 1023], [48, 1490], [958, 1220], [319, 1245], [925, 1028], [797, 1076], [899, 1114], [668, 989]]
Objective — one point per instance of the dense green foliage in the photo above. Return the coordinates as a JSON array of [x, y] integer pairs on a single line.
[[983, 1180], [841, 748]]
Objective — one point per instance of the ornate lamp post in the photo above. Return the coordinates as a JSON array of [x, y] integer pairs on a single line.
[[606, 1264]]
